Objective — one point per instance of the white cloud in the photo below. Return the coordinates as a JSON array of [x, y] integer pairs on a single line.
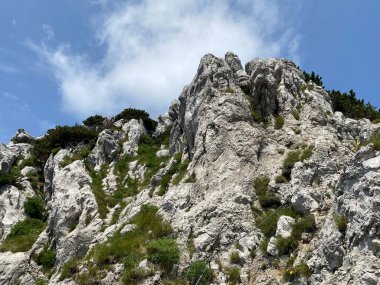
[[48, 30], [153, 49], [6, 68]]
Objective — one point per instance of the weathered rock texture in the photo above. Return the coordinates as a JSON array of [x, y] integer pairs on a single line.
[[210, 208]]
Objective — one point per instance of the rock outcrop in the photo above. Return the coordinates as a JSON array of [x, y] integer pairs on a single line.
[[255, 174]]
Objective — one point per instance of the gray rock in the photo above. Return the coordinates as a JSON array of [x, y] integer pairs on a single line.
[[22, 136], [284, 226]]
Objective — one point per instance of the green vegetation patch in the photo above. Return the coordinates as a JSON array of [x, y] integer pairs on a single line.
[[34, 207], [200, 272], [233, 275], [375, 140], [46, 258], [293, 157], [341, 223], [267, 198], [149, 240], [131, 113], [292, 273], [267, 221], [23, 235], [279, 122], [79, 154], [97, 188]]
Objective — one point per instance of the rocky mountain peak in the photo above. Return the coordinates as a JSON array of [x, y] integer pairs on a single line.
[[250, 178]]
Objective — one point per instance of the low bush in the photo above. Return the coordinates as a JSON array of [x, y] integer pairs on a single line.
[[94, 121], [233, 275], [375, 140], [352, 107], [34, 207], [165, 180], [146, 154], [267, 198], [341, 223], [163, 252], [61, 137], [69, 269], [293, 157], [279, 122], [267, 222], [301, 270], [305, 224], [286, 245], [23, 235], [97, 188], [296, 115], [131, 113], [235, 257], [46, 258], [149, 240], [313, 77], [79, 154], [281, 179], [229, 90], [200, 272], [7, 178]]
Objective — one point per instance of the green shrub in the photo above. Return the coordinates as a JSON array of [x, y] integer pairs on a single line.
[[233, 274], [235, 258], [267, 198], [34, 207], [301, 270], [297, 131], [164, 252], [261, 185], [7, 178], [350, 106], [182, 172], [79, 154], [375, 140], [97, 188], [41, 281], [69, 269], [197, 269], [304, 224], [61, 137], [146, 154], [46, 258], [229, 90], [131, 113], [23, 235], [165, 180], [279, 122], [134, 275], [307, 153], [376, 121], [191, 179], [313, 77], [94, 121], [257, 117], [267, 222], [341, 223], [281, 179], [296, 115], [293, 157], [286, 245]]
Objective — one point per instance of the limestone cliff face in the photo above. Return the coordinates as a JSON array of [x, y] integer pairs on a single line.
[[230, 129]]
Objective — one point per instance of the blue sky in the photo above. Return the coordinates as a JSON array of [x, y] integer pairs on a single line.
[[61, 61]]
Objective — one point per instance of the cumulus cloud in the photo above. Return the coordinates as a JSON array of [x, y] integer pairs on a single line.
[[152, 49]]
